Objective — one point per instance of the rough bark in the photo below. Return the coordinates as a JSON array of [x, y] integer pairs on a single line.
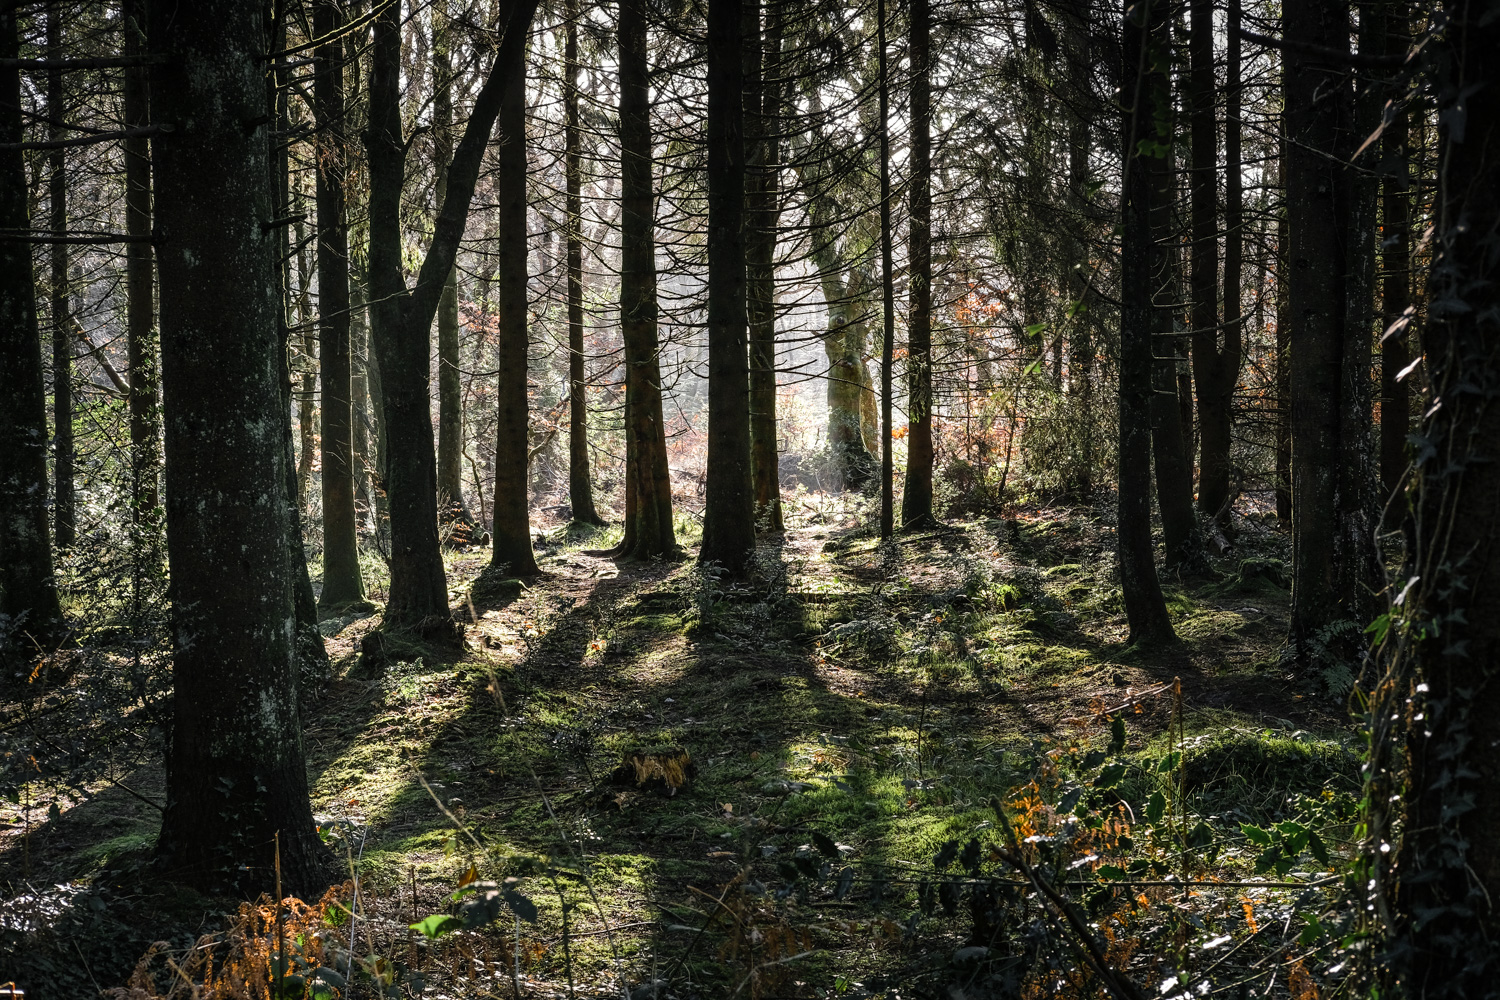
[[64, 528], [916, 497], [763, 96], [28, 592], [648, 507], [140, 301], [1282, 428], [342, 584], [1145, 607], [887, 289], [1325, 282], [1395, 352], [1081, 330], [450, 447], [1449, 863], [1215, 349], [511, 554], [580, 483], [312, 657], [1170, 447], [729, 511], [851, 397], [402, 317], [236, 775]]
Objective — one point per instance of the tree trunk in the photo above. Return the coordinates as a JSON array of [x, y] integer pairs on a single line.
[[580, 484], [1145, 608], [916, 497], [763, 95], [1215, 367], [450, 447], [1449, 862], [312, 656], [1282, 429], [236, 777], [648, 502], [402, 319], [28, 592], [888, 291], [64, 530], [364, 405], [1395, 354], [140, 302], [1324, 285], [1079, 279], [342, 584], [1171, 451], [512, 555], [729, 512]]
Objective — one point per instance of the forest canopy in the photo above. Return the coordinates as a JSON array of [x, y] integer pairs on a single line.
[[749, 497]]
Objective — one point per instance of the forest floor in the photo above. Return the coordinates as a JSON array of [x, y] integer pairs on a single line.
[[813, 740]]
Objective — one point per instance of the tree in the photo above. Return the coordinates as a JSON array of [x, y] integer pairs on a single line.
[[1215, 365], [1330, 341], [580, 489], [916, 498], [511, 554], [32, 615], [236, 775], [763, 96], [312, 657], [1447, 684], [887, 288], [1395, 288], [450, 447], [64, 532], [402, 317], [729, 509], [342, 584], [648, 487], [1145, 607], [140, 295]]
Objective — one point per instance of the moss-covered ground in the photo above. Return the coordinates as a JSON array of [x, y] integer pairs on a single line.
[[847, 713]]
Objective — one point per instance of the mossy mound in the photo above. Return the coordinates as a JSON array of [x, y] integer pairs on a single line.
[[1262, 770]]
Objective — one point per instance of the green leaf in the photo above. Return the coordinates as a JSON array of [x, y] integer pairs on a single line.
[[1378, 628], [1111, 872], [437, 925], [1110, 776], [1256, 836], [1093, 759], [825, 845], [1318, 848], [1169, 762], [1156, 808], [1312, 931], [1070, 801], [1117, 734], [1035, 329]]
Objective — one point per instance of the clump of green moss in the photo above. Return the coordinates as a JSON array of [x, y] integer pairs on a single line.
[[1263, 770]]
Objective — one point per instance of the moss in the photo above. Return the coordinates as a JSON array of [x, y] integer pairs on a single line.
[[1261, 770]]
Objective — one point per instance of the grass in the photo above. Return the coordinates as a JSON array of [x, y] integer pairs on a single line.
[[883, 700]]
